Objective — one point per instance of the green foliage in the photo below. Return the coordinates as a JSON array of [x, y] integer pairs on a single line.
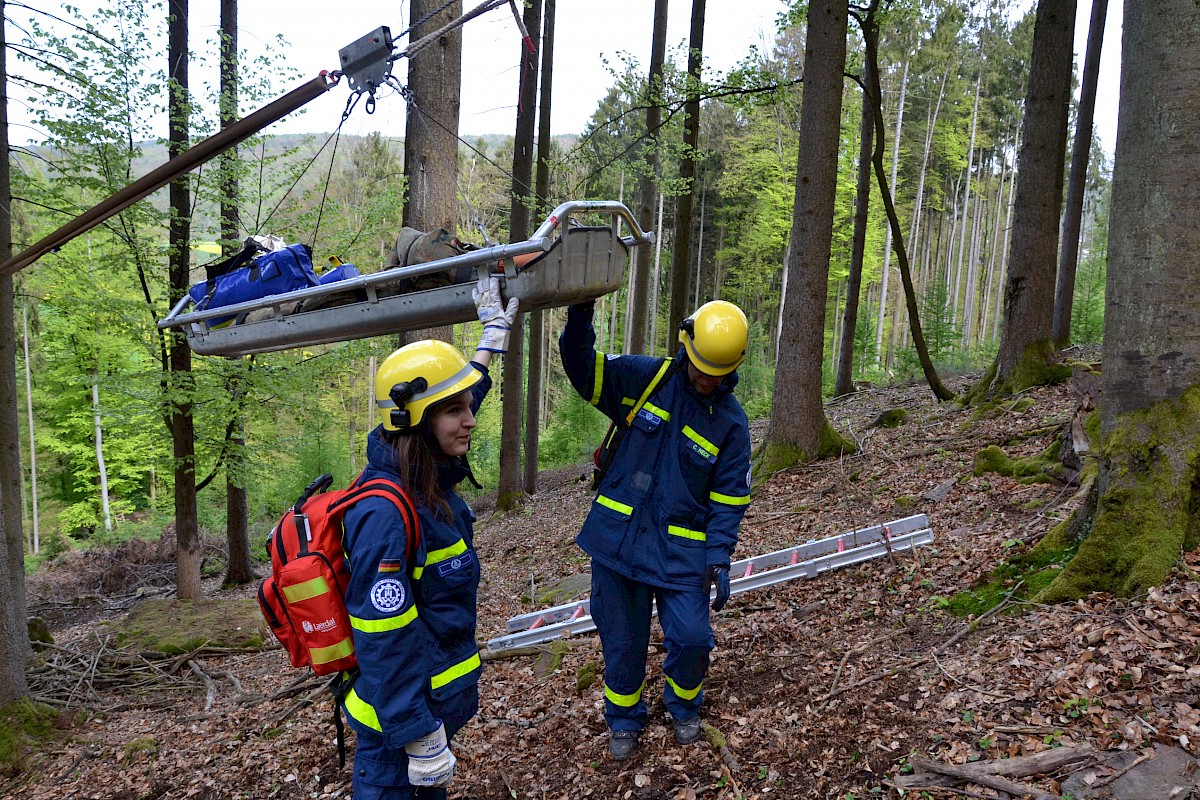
[[575, 430]]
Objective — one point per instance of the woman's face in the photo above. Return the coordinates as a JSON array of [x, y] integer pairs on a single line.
[[452, 424]]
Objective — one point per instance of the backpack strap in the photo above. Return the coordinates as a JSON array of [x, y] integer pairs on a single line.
[[389, 489], [655, 382]]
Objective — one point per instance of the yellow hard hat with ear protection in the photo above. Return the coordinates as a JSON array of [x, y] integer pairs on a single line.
[[415, 377], [715, 337]]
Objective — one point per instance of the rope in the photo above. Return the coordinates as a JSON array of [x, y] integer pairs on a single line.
[[419, 45]]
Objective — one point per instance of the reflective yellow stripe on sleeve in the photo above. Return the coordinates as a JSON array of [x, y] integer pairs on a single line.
[[704, 444], [686, 533], [597, 379], [464, 667], [728, 499], [684, 694], [362, 711], [624, 700], [311, 588], [608, 502], [382, 625]]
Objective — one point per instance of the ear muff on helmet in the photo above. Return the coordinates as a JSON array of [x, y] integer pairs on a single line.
[[417, 376], [715, 337], [400, 394]]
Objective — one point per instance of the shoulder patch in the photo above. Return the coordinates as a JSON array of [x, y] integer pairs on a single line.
[[390, 565], [749, 473], [387, 595], [612, 356]]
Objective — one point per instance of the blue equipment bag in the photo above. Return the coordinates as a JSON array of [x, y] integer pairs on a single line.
[[339, 273], [246, 277]]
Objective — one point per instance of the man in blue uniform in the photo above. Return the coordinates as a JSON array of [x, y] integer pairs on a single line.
[[664, 523]]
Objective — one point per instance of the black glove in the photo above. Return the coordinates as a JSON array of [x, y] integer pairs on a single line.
[[718, 575], [581, 312]]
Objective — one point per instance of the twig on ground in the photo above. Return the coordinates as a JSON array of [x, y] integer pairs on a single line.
[[210, 687]]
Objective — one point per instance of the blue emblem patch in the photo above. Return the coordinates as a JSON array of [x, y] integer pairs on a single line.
[[456, 564], [387, 595], [651, 419]]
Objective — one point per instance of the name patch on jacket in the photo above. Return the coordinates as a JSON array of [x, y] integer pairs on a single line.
[[391, 566], [700, 451], [456, 564]]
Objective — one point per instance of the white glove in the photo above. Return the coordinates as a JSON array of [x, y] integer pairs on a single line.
[[430, 762], [497, 319]]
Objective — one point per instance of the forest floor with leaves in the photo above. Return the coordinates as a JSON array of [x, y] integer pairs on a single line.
[[831, 687]]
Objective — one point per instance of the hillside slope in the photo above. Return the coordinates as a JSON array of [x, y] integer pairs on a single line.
[[821, 688]]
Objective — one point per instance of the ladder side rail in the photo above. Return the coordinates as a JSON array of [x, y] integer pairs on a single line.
[[812, 548], [804, 570], [816, 547]]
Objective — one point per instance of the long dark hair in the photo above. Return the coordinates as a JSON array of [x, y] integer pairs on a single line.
[[417, 457]]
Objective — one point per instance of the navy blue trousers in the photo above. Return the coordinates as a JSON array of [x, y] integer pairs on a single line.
[[621, 609]]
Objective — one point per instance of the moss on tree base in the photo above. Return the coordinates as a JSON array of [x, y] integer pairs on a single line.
[[1149, 511], [1034, 368], [772, 457]]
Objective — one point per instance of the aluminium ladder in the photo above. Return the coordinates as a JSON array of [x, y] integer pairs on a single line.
[[803, 561]]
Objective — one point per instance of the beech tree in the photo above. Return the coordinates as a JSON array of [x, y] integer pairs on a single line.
[[1147, 487]]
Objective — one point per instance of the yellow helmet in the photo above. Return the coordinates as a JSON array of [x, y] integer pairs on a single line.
[[415, 377], [715, 337]]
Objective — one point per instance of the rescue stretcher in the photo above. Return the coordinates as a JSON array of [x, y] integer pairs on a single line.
[[574, 262]]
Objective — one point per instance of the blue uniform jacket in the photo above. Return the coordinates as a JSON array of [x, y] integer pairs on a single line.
[[413, 624], [671, 502]]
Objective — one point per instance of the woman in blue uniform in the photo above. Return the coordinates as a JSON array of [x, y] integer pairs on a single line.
[[414, 623], [665, 519]]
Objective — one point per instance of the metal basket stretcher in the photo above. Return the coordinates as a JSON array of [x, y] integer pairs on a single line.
[[577, 263]]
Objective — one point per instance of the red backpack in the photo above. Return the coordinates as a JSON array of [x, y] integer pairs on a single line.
[[304, 598]]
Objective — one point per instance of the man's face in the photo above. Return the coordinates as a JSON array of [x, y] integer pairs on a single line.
[[704, 384]]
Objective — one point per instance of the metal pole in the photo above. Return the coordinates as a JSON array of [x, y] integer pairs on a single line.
[[179, 165]]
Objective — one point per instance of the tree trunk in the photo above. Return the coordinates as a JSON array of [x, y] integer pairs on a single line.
[[656, 278], [640, 279], [966, 216], [887, 242], [431, 132], [182, 383], [237, 516], [35, 542], [537, 333], [14, 634], [681, 279], [98, 438], [510, 493], [1025, 347], [844, 384], [798, 429], [1081, 147], [1150, 415], [871, 45]]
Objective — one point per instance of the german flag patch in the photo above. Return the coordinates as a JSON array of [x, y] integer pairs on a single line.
[[390, 566]]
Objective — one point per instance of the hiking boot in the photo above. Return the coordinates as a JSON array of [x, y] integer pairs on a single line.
[[621, 744], [687, 730]]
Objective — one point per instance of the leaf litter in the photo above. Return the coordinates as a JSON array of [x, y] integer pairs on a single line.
[[830, 687]]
